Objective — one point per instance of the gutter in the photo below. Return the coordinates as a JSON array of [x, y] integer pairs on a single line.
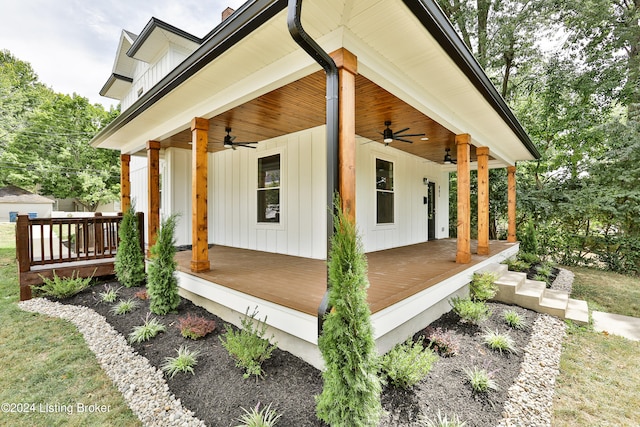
[[437, 24], [333, 122]]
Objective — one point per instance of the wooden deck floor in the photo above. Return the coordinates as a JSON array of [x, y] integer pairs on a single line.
[[300, 283]]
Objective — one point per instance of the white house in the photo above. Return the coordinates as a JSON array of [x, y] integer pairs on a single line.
[[249, 130]]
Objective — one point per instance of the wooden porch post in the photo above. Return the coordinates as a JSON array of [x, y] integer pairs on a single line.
[[125, 182], [483, 200], [511, 204], [153, 214], [23, 255], [347, 64], [463, 254], [199, 191]]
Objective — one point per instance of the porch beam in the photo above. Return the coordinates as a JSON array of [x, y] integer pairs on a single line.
[[125, 182], [347, 64], [153, 214], [483, 200], [463, 253], [199, 195], [511, 204]]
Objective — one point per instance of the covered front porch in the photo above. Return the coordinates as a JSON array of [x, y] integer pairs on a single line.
[[409, 288]]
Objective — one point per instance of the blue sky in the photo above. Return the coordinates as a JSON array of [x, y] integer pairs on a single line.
[[71, 44]]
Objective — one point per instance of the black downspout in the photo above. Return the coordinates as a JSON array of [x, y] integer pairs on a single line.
[[326, 62]]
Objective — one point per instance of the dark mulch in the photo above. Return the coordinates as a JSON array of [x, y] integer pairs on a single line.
[[217, 391]]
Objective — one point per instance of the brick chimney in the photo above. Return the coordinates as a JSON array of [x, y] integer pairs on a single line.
[[227, 13]]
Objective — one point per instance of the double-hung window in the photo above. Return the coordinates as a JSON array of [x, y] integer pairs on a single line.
[[384, 192], [269, 189]]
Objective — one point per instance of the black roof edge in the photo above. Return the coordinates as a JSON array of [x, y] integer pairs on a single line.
[[148, 30], [436, 22], [243, 22], [112, 79]]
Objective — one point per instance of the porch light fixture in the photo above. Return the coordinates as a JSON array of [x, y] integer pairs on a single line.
[[387, 134], [228, 141], [447, 157]]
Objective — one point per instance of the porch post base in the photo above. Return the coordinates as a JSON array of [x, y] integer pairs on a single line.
[[463, 258], [483, 250], [200, 266]]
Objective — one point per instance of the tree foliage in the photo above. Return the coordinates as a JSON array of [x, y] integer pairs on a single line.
[[162, 284], [351, 391], [44, 140]]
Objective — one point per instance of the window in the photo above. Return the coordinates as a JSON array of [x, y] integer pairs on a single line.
[[269, 189], [384, 192]]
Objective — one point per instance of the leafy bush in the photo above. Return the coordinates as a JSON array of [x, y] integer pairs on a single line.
[[184, 362], [407, 363], [474, 312], [529, 239], [499, 342], [441, 421], [109, 294], [256, 417], [481, 381], [248, 346], [58, 287], [129, 262], [513, 319], [517, 265], [124, 306], [528, 257], [482, 286], [442, 342], [351, 385], [162, 285], [146, 331], [195, 327]]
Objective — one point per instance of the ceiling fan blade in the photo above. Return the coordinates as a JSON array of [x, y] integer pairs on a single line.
[[400, 131], [409, 135], [245, 144], [403, 140]]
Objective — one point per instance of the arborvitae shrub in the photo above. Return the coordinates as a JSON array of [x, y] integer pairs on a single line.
[[162, 285], [351, 390], [129, 263], [529, 240]]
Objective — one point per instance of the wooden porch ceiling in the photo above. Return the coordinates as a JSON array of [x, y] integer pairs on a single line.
[[301, 105]]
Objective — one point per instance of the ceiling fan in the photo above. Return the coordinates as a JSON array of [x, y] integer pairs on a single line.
[[447, 157], [389, 135], [229, 141]]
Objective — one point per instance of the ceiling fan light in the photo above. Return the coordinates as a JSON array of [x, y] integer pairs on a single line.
[[447, 157], [227, 142], [387, 135]]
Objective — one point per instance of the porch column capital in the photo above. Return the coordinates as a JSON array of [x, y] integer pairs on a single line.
[[153, 214], [511, 204], [463, 253], [482, 153], [125, 182], [199, 195], [346, 60]]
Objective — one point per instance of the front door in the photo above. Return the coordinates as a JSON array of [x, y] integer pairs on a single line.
[[431, 211]]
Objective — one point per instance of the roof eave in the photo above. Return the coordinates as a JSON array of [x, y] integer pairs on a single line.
[[112, 79], [150, 27]]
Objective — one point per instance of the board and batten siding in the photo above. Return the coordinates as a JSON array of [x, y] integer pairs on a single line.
[[410, 212]]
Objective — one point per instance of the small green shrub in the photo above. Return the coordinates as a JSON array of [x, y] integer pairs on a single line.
[[529, 239], [184, 362], [474, 312], [442, 342], [58, 287], [407, 363], [195, 327], [513, 319], [482, 286], [248, 346], [517, 265], [149, 329], [545, 269], [110, 294], [528, 257], [124, 306], [499, 342], [256, 417], [441, 421], [481, 381], [541, 278]]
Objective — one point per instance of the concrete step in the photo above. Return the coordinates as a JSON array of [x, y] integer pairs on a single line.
[[577, 311], [554, 303], [508, 284], [529, 294]]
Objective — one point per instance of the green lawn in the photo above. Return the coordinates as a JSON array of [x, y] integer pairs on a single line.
[[599, 381], [46, 365]]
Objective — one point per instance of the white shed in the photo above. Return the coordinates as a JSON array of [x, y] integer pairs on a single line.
[[15, 200]]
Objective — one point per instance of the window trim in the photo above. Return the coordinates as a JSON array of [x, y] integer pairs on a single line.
[[259, 155], [393, 191]]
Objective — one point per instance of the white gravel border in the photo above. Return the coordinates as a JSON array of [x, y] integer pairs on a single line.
[[142, 385]]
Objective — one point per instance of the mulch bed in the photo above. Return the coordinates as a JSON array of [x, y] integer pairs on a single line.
[[217, 391]]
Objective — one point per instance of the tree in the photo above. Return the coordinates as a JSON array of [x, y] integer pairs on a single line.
[[162, 285], [351, 391], [129, 262]]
